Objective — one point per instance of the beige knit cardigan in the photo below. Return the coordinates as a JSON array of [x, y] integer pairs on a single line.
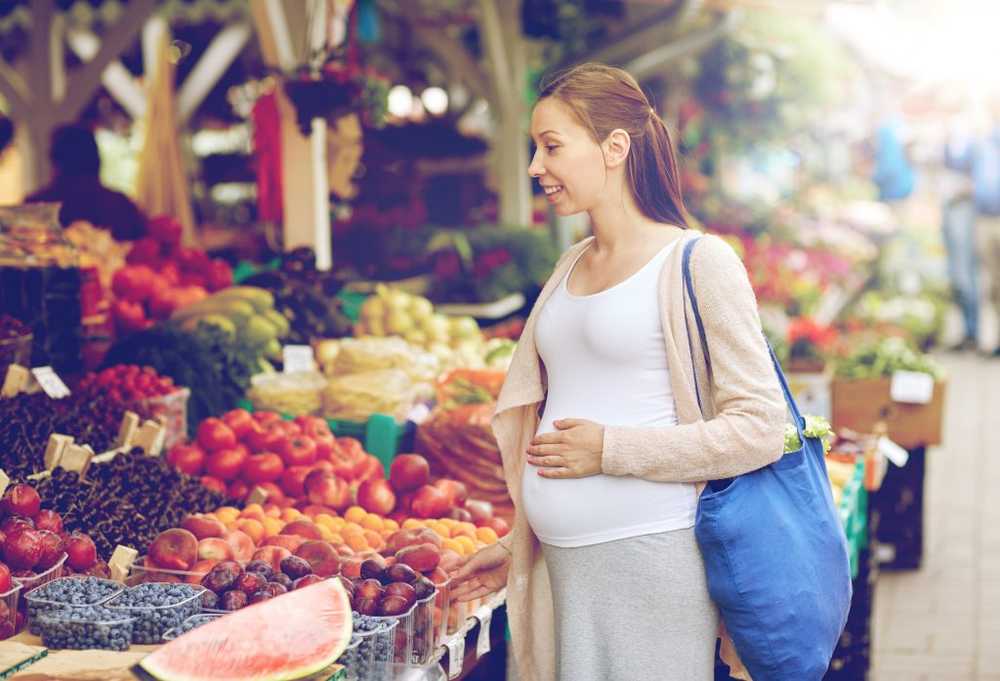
[[742, 430]]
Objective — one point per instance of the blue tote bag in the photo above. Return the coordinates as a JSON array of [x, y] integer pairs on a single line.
[[775, 552]]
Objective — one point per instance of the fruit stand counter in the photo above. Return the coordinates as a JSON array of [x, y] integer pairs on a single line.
[[41, 664]]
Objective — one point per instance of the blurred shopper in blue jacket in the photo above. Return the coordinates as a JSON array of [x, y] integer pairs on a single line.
[[979, 156], [894, 175]]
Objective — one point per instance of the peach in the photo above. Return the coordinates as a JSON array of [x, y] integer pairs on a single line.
[[321, 556], [174, 549], [243, 546], [302, 528], [214, 548], [421, 558], [204, 526], [288, 541], [351, 567], [272, 555], [253, 528]]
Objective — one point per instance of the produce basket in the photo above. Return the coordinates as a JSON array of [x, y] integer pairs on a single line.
[[370, 655], [54, 572], [425, 635], [76, 630], [172, 410], [190, 623], [403, 634], [10, 598], [41, 600], [153, 621]]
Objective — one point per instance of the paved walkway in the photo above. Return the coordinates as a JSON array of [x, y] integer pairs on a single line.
[[942, 622]]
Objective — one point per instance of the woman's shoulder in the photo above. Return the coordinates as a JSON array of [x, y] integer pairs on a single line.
[[713, 256]]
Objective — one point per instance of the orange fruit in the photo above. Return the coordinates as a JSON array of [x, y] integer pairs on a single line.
[[326, 533], [468, 545], [336, 538], [410, 523], [374, 540], [227, 514], [273, 526], [355, 514], [463, 531], [326, 520], [450, 522], [352, 529], [440, 528], [487, 535], [290, 514], [372, 522], [390, 525], [273, 512], [453, 545], [357, 542], [253, 527]]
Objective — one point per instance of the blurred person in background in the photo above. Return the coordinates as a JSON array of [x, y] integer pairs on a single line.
[[894, 175], [958, 231], [979, 156], [76, 184]]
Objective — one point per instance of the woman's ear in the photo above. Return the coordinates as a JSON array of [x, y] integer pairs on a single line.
[[616, 147]]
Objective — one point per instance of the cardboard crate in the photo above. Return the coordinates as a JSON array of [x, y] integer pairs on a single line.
[[860, 404]]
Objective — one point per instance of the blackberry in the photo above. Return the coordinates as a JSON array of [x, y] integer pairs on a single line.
[[157, 607], [86, 627]]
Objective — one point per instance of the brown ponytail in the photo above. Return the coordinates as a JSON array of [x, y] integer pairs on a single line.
[[605, 98]]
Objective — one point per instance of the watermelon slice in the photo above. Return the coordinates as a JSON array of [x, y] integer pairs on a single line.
[[289, 637]]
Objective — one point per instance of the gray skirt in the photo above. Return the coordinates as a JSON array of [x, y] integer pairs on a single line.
[[635, 609]]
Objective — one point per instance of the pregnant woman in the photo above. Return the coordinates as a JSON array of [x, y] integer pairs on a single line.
[[604, 447]]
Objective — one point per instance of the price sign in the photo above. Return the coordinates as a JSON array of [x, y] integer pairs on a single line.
[[911, 387], [483, 642], [298, 358], [4, 481], [893, 452], [50, 382], [456, 656]]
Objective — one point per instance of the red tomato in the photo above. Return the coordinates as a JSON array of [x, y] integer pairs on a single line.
[[270, 437], [213, 483], [325, 445], [239, 421], [351, 448], [369, 468], [299, 451], [274, 493], [214, 434], [226, 464], [293, 480], [266, 467], [266, 416], [292, 429], [189, 459], [238, 490], [314, 426]]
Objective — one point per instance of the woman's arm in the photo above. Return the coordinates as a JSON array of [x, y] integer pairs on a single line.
[[747, 432]]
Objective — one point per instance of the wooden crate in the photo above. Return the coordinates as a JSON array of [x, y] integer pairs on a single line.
[[860, 404]]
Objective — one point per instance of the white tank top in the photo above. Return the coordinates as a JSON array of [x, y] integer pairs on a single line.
[[606, 362]]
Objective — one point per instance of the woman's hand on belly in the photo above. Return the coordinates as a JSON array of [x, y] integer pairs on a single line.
[[573, 450]]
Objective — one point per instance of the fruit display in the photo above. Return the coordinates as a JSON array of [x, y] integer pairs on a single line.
[[882, 359], [97, 248], [215, 368], [126, 501], [245, 314], [190, 623], [298, 393], [143, 297], [392, 312], [371, 652], [67, 593], [156, 608], [89, 415], [241, 451], [91, 627], [306, 297], [310, 627]]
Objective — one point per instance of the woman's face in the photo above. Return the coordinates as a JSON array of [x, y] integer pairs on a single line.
[[568, 163]]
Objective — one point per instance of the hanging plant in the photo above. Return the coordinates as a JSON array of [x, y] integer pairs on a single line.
[[336, 90]]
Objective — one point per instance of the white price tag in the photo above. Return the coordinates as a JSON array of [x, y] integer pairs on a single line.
[[4, 481], [893, 452], [483, 642], [911, 387], [50, 382], [456, 656], [298, 358]]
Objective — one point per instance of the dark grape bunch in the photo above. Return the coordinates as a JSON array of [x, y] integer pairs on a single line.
[[67, 593], [83, 628], [157, 608], [127, 501]]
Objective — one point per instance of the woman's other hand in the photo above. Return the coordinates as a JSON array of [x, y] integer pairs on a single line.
[[482, 573], [573, 450]]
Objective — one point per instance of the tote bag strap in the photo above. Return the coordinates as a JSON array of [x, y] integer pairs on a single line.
[[689, 289]]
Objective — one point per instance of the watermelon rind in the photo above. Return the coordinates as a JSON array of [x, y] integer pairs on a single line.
[[329, 601]]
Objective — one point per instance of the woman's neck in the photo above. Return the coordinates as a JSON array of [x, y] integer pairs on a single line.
[[620, 228]]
